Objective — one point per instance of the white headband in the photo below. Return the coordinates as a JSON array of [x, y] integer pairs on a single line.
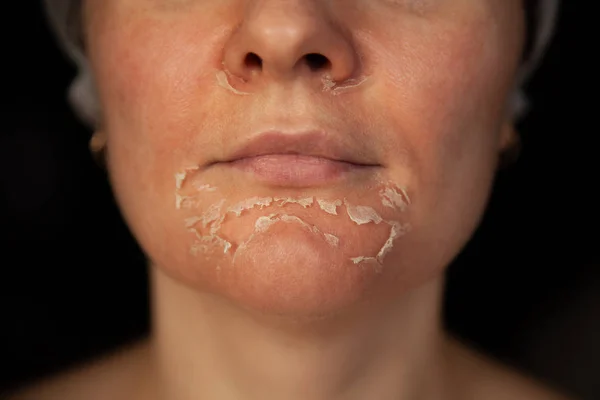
[[84, 100]]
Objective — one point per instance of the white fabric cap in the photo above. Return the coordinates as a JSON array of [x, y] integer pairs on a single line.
[[83, 97], [82, 93]]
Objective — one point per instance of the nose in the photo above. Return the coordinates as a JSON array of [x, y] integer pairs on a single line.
[[288, 39]]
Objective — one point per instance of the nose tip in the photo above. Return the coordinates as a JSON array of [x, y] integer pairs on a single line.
[[287, 39]]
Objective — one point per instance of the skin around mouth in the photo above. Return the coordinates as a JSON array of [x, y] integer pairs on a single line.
[[294, 248]]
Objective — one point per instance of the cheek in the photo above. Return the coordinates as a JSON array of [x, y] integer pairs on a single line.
[[446, 99], [149, 87], [155, 87]]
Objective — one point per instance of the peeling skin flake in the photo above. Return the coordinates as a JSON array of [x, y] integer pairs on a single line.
[[329, 85], [293, 218], [262, 224], [184, 201], [329, 207], [226, 246], [332, 239], [216, 225], [212, 214], [304, 202], [248, 204], [362, 214], [205, 241], [211, 217], [393, 199], [204, 188], [181, 176], [190, 222], [358, 260], [223, 81], [396, 231]]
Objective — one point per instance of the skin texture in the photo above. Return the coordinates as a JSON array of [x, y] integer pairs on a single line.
[[428, 115], [272, 289]]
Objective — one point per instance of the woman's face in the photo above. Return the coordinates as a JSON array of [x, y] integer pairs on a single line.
[[299, 157]]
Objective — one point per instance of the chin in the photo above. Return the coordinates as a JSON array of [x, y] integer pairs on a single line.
[[300, 257], [291, 271]]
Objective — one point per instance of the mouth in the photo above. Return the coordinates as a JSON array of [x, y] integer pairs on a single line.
[[300, 159]]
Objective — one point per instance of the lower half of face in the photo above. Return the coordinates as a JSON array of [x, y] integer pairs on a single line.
[[280, 194]]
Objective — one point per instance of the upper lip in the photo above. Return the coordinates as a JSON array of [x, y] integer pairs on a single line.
[[312, 143]]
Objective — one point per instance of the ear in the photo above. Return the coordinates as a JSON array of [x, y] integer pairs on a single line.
[[98, 141], [509, 144], [98, 146]]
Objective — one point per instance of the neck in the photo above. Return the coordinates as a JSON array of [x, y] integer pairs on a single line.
[[206, 348]]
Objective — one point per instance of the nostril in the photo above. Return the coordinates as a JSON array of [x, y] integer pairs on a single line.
[[317, 62], [252, 60]]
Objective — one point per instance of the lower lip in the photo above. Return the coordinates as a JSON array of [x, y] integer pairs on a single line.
[[295, 170]]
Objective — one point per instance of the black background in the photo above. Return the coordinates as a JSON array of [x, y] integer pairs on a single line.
[[73, 282]]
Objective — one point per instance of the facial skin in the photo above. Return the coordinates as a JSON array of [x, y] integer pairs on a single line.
[[415, 89]]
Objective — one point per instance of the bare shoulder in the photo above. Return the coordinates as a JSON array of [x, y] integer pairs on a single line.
[[116, 376], [482, 378]]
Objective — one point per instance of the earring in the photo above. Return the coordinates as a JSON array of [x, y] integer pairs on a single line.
[[98, 147]]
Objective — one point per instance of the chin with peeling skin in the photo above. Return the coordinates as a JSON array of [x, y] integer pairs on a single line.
[[299, 256]]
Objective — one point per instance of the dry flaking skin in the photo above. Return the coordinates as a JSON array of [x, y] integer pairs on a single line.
[[180, 178], [394, 197], [304, 202], [335, 88], [391, 196], [205, 188], [329, 85], [249, 204], [263, 224], [223, 81], [329, 207], [361, 215]]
